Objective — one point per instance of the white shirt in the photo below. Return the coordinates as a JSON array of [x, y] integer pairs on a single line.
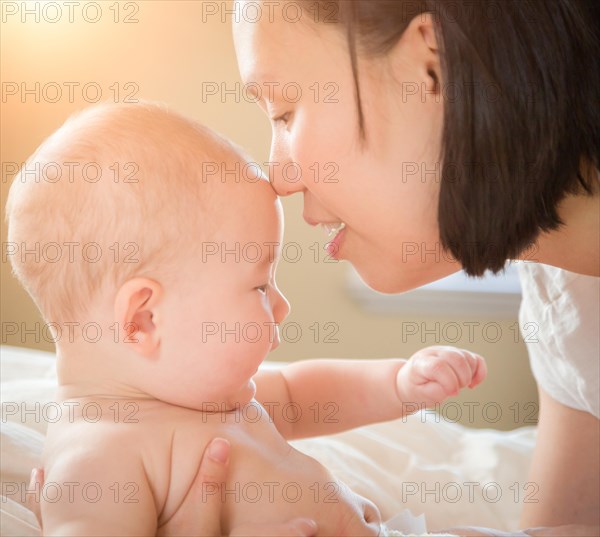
[[559, 319]]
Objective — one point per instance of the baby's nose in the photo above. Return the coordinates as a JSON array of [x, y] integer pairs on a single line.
[[281, 308]]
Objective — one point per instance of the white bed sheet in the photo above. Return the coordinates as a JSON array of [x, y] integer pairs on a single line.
[[413, 463]]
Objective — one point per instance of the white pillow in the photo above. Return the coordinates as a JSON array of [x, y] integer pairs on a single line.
[[383, 462]]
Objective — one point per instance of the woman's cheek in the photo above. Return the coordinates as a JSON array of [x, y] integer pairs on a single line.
[[300, 147], [307, 146]]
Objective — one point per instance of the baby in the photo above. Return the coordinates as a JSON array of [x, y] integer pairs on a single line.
[[160, 328]]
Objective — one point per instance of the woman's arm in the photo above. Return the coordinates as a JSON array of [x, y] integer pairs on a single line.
[[565, 467]]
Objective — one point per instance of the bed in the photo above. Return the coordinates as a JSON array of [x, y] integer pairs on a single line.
[[453, 474]]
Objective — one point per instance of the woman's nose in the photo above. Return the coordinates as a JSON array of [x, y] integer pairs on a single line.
[[286, 178], [285, 175]]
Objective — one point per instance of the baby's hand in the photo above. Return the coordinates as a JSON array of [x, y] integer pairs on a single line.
[[435, 373]]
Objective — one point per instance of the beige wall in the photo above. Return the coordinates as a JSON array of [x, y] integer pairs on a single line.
[[168, 54]]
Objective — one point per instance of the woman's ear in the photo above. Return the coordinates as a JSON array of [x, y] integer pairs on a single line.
[[427, 30], [418, 47], [135, 314]]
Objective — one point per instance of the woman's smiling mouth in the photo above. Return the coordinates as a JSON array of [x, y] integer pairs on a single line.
[[337, 232], [333, 229]]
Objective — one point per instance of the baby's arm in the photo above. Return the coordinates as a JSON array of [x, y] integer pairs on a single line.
[[104, 492], [336, 395]]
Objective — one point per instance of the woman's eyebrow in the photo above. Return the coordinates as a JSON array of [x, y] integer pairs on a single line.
[[254, 92], [262, 87], [260, 78], [250, 87]]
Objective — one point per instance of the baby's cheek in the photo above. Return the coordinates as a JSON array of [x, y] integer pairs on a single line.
[[262, 332], [242, 360]]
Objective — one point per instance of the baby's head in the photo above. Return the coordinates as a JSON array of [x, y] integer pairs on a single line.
[[151, 261]]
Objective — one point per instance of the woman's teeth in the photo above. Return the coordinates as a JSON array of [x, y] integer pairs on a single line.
[[333, 229]]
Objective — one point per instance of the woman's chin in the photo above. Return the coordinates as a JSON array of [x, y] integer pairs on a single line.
[[398, 278], [379, 278]]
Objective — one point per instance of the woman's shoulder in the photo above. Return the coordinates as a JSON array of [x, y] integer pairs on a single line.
[[559, 317], [549, 285]]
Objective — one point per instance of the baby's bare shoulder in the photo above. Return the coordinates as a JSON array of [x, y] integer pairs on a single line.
[[96, 431], [127, 446]]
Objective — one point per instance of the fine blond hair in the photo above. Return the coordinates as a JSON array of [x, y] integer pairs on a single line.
[[124, 181]]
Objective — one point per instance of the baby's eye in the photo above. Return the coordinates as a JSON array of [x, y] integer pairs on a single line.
[[263, 289]]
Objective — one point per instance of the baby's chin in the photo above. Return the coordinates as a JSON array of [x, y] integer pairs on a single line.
[[215, 402], [243, 397]]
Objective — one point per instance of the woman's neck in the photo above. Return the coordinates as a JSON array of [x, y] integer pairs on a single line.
[[575, 246]]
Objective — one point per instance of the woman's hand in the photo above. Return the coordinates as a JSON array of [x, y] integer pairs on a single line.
[[200, 514], [32, 497]]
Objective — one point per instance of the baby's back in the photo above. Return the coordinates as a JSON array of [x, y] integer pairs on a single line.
[[268, 481]]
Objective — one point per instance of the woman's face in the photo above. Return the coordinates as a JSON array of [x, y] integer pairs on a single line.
[[385, 192]]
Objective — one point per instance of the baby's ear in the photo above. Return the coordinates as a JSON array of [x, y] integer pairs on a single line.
[[135, 309]]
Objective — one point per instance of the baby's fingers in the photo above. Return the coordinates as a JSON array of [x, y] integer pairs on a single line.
[[468, 366], [463, 364], [480, 372], [439, 370]]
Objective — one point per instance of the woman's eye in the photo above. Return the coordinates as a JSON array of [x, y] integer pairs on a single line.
[[284, 118], [263, 289]]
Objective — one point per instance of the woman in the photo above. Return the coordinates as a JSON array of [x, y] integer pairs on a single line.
[[470, 129]]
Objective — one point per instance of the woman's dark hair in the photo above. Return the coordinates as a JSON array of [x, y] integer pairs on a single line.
[[525, 119]]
